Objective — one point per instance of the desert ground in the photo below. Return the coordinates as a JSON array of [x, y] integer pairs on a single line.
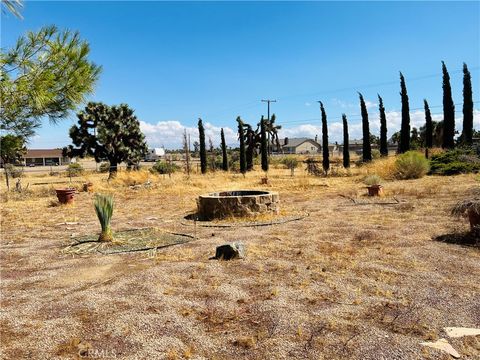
[[358, 278]]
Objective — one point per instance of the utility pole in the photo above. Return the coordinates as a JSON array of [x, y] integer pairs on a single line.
[[268, 101]]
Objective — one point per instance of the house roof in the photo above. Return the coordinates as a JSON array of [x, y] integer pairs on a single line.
[[294, 142], [38, 153]]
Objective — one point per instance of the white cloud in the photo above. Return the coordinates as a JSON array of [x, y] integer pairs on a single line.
[[170, 133]]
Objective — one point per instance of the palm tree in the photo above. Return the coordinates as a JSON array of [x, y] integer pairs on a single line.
[[13, 6]]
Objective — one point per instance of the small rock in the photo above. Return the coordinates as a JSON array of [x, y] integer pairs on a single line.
[[230, 251], [443, 345], [456, 332]]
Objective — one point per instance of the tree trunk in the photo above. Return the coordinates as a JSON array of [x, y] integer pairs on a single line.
[[113, 170], [6, 177]]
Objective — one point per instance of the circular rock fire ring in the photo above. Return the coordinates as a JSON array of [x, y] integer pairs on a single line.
[[237, 203]]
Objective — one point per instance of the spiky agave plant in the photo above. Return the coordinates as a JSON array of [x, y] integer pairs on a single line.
[[470, 208], [104, 209]]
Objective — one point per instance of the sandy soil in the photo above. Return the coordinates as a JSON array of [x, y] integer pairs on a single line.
[[351, 281]]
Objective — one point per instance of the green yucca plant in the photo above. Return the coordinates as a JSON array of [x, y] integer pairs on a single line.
[[104, 209]]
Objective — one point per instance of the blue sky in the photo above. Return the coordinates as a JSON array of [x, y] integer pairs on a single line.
[[175, 62]]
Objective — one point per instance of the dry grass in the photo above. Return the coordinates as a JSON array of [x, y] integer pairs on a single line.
[[353, 280]]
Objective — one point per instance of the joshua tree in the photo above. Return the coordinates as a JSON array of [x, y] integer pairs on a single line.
[[104, 209], [186, 149], [117, 136], [346, 149], [241, 138], [404, 143], [253, 141], [367, 150], [272, 131], [14, 6], [448, 111], [224, 152], [325, 152], [467, 132], [264, 148], [383, 128], [203, 150]]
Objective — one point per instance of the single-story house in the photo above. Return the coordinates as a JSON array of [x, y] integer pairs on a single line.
[[298, 146], [44, 157]]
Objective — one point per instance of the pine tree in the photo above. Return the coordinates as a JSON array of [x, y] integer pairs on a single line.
[[241, 137], [448, 111], [428, 126], [367, 149], [325, 151], [383, 128], [467, 133], [264, 144], [346, 144], [224, 152], [404, 143], [203, 150]]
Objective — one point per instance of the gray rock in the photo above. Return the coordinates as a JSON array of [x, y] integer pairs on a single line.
[[230, 251]]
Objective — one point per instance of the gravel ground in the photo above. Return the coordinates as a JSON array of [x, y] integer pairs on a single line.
[[351, 281]]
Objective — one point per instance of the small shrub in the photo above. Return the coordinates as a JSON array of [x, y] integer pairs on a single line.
[[458, 161], [164, 167], [376, 154], [411, 165], [290, 162], [74, 169], [371, 180], [104, 167], [14, 171]]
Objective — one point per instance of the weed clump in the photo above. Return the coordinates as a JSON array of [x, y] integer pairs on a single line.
[[411, 165]]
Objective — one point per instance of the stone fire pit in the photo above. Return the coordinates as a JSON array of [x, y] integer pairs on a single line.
[[237, 203]]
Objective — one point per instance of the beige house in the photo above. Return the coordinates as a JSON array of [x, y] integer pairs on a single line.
[[44, 157], [299, 146]]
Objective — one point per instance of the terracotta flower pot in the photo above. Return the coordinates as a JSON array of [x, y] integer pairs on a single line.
[[375, 190], [65, 196]]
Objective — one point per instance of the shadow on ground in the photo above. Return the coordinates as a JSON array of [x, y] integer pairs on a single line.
[[469, 238]]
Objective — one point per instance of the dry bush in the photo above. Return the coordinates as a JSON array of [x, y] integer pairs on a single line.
[[383, 167], [129, 178]]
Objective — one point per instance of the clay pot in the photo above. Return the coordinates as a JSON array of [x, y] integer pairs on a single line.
[[375, 190], [65, 196], [88, 187]]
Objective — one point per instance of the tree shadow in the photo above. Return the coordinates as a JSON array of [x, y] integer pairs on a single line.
[[469, 238]]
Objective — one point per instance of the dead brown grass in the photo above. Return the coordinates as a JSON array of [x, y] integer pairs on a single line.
[[354, 280]]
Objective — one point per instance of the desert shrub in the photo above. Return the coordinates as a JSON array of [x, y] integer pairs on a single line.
[[411, 165], [384, 167], [371, 180], [376, 154], [458, 161], [74, 169], [104, 167], [164, 167], [290, 162], [13, 171]]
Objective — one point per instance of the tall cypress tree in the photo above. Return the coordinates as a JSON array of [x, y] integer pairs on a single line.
[[448, 111], [383, 128], [203, 150], [264, 144], [367, 149], [404, 143], [467, 133], [241, 137], [325, 152], [346, 144], [224, 152], [428, 126]]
